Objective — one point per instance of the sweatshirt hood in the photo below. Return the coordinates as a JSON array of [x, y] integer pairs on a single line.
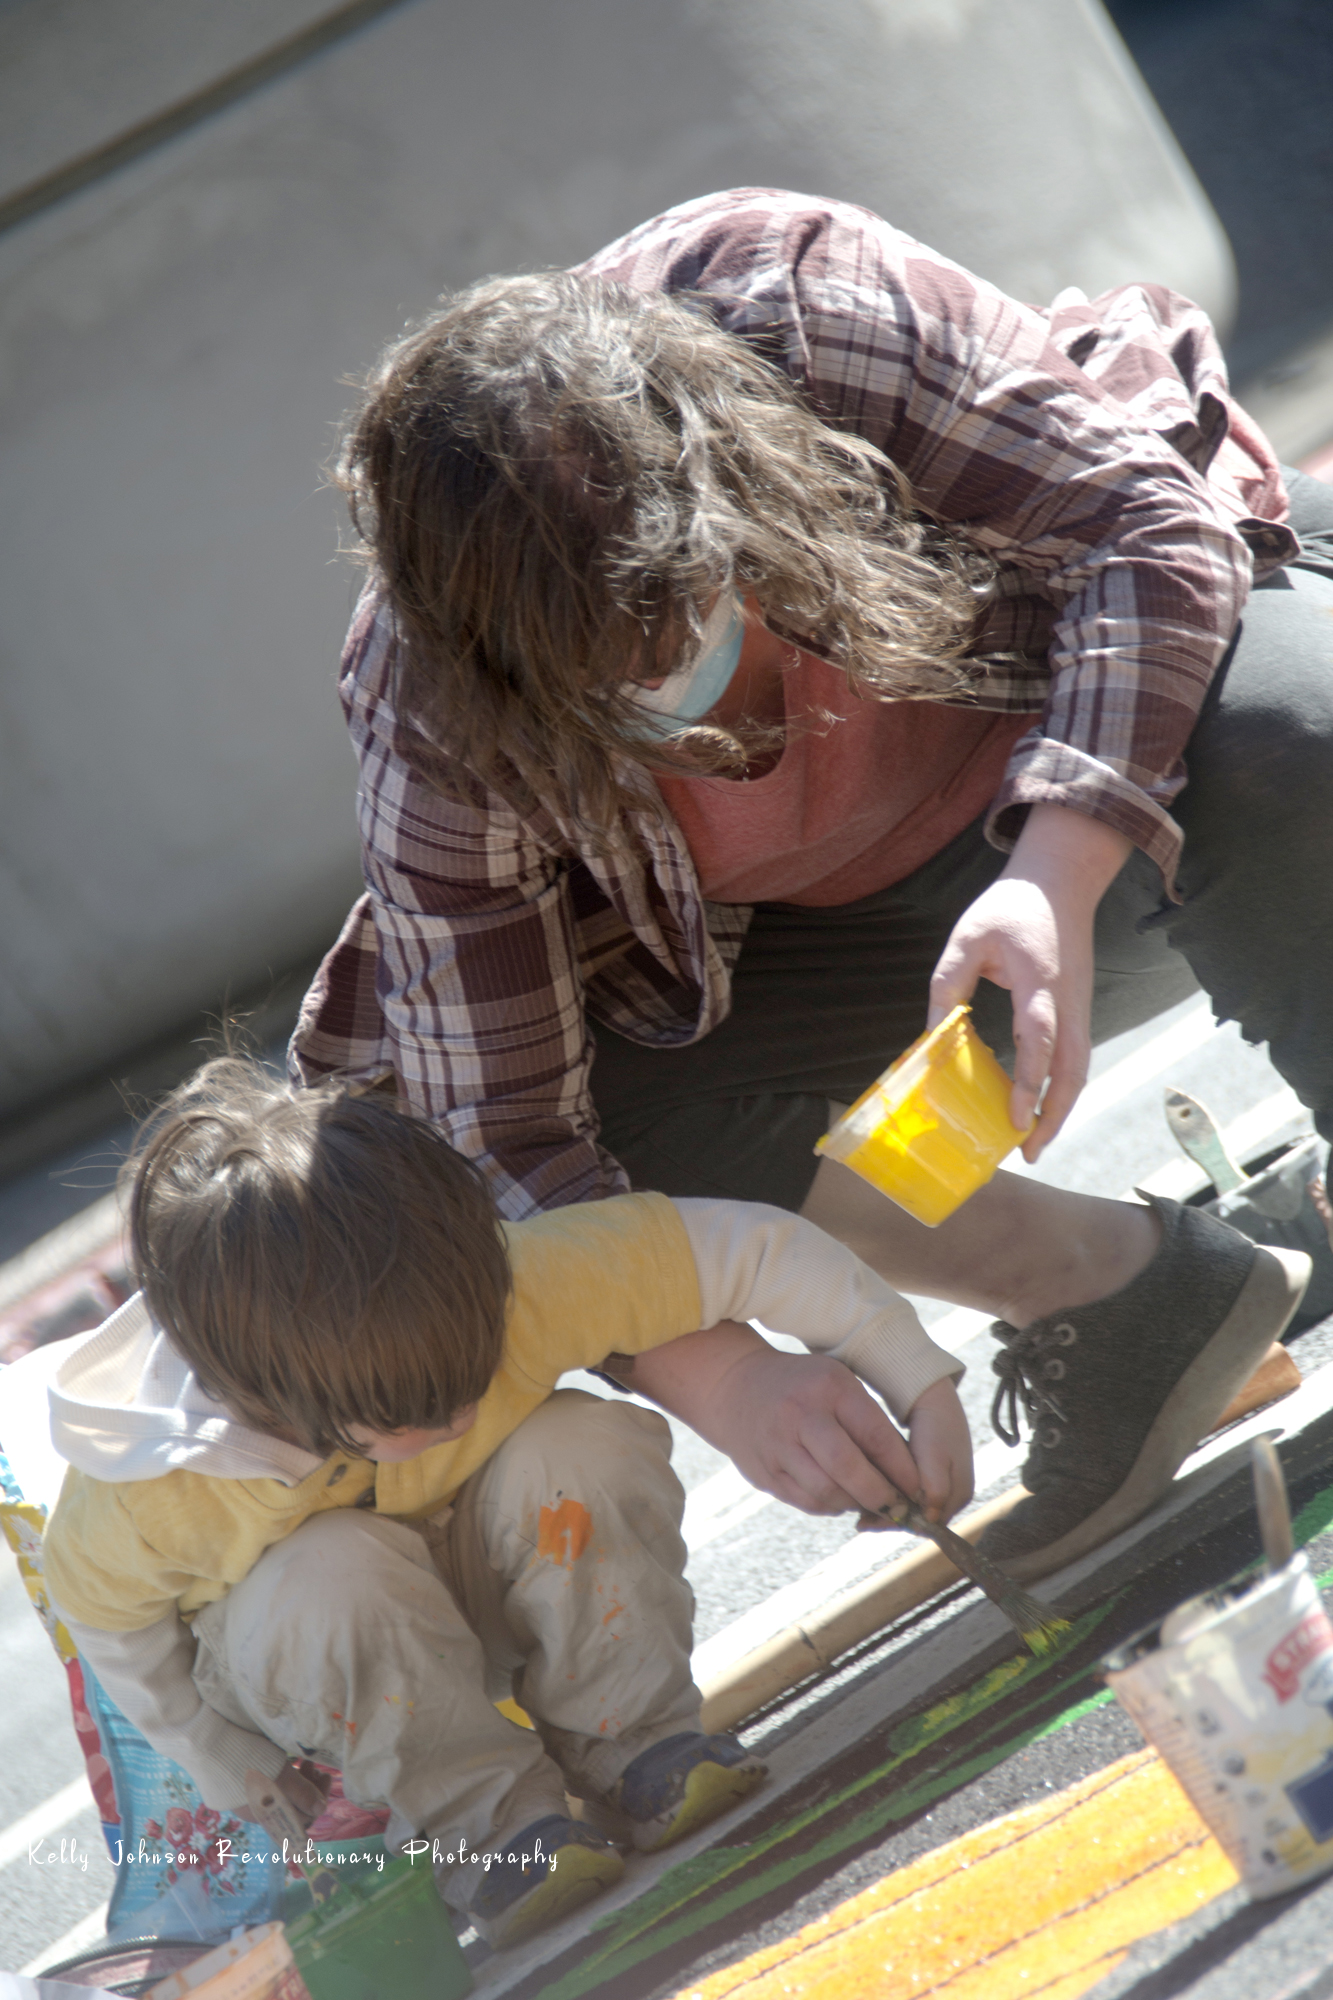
[[125, 1404]]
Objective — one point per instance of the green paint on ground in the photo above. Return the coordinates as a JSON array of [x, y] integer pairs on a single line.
[[694, 1894], [1074, 1714], [1314, 1517], [680, 1904]]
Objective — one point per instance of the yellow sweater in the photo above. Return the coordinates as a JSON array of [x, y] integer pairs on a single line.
[[588, 1281]]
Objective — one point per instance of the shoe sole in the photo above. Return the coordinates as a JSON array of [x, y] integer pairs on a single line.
[[580, 1874], [710, 1790], [1273, 1289]]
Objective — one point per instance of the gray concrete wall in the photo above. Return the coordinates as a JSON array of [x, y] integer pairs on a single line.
[[176, 790]]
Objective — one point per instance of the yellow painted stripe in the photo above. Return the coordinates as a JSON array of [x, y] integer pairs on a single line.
[[1045, 1901]]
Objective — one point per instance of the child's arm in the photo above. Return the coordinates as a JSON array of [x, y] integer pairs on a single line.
[[757, 1262], [800, 1428], [117, 1593], [148, 1675]]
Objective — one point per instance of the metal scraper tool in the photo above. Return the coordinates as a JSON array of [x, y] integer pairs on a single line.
[[1197, 1133]]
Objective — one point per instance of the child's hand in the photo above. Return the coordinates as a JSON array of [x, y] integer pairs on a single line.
[[802, 1428], [942, 1449], [287, 1805]]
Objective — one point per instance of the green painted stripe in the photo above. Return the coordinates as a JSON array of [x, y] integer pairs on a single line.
[[694, 1895], [1314, 1517], [691, 1895]]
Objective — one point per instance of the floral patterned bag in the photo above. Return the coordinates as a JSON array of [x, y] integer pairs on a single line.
[[181, 1868]]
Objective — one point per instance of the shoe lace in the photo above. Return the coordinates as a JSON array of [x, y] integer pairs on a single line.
[[1026, 1367]]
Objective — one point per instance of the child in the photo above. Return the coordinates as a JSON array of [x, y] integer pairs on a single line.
[[325, 1500]]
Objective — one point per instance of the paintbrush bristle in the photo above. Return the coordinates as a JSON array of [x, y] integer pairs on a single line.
[[1046, 1629], [1038, 1625]]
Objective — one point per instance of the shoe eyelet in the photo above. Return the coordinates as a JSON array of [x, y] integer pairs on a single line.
[[1054, 1370], [1049, 1438], [1065, 1333]]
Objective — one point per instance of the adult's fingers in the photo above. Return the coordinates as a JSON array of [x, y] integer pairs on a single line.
[[1069, 1073], [859, 1447], [844, 1455], [954, 979], [1037, 1028]]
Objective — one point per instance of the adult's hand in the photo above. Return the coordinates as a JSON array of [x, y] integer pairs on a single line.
[[799, 1426], [804, 1429], [1031, 932]]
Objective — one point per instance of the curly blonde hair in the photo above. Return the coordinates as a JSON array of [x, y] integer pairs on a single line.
[[555, 476]]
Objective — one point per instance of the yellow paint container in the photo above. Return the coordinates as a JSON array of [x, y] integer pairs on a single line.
[[934, 1127]]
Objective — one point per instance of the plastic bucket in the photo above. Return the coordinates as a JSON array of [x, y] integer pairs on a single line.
[[934, 1127], [380, 1936]]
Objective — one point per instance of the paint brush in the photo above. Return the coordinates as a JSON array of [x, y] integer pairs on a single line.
[[1037, 1624], [1270, 1499]]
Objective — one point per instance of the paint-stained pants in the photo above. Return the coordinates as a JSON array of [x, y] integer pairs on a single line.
[[556, 1576]]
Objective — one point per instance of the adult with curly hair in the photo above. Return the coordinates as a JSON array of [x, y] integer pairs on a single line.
[[774, 636]]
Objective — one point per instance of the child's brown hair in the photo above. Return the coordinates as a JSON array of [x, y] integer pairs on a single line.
[[322, 1260]]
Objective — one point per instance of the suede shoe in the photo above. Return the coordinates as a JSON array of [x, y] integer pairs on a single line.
[[537, 1877], [680, 1784], [1119, 1392]]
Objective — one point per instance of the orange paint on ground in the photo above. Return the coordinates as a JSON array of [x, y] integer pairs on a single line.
[[563, 1532], [1047, 1900]]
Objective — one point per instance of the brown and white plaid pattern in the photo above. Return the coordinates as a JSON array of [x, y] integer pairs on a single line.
[[1092, 450]]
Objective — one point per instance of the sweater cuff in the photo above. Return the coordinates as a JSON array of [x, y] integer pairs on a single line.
[[889, 1352], [217, 1754]]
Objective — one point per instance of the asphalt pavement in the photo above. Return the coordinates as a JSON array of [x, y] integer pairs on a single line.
[[1247, 90]]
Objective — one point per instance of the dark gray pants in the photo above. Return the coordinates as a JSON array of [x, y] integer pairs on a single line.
[[823, 1000]]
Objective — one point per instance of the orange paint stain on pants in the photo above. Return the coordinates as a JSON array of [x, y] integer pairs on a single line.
[[563, 1532], [1048, 1900]]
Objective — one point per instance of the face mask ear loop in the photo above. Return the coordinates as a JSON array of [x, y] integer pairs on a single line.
[[691, 691]]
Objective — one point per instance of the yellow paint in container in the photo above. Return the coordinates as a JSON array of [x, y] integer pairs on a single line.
[[934, 1127]]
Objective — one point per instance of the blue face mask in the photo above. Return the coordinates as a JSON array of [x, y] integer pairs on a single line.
[[691, 691]]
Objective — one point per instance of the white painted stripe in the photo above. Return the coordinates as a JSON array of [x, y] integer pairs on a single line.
[[45, 1819], [89, 1930], [836, 1573], [954, 1329], [719, 1505]]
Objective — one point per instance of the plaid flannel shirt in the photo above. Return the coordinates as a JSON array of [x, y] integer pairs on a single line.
[[1091, 449]]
